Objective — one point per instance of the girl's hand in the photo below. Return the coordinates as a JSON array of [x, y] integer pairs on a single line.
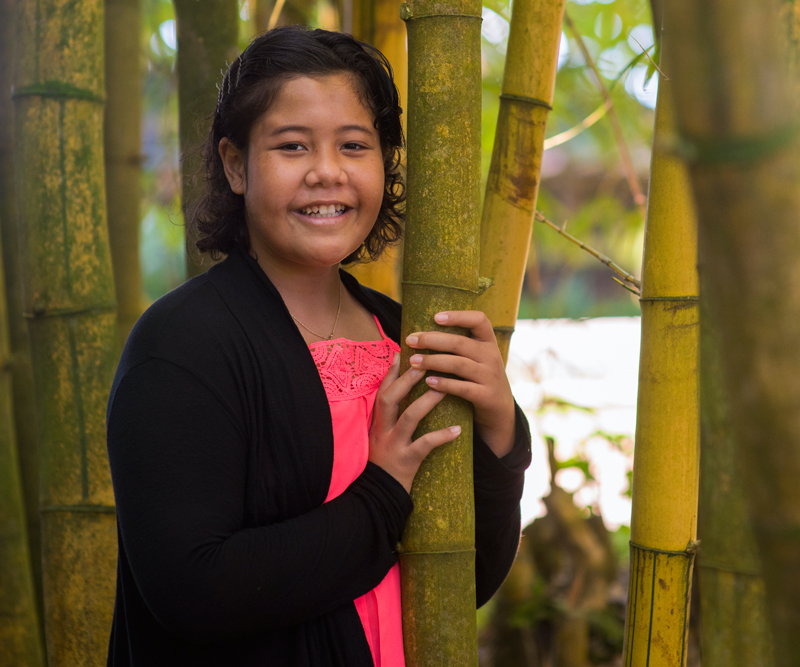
[[390, 444], [477, 361]]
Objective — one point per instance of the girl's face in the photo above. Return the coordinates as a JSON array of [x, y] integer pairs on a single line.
[[312, 176]]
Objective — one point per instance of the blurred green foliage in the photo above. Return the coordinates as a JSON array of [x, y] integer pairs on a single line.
[[581, 181]]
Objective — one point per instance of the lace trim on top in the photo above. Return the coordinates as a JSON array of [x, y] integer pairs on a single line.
[[349, 369]]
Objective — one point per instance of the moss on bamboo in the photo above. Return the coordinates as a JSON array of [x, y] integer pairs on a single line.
[[665, 473], [208, 40], [513, 183], [69, 302], [441, 272], [123, 137]]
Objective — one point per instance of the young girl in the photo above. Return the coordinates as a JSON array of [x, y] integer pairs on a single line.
[[261, 464]]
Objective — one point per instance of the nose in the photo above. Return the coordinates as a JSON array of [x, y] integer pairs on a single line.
[[326, 169]]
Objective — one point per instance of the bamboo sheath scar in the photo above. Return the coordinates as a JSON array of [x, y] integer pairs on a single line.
[[69, 303], [513, 183], [665, 469], [440, 272]]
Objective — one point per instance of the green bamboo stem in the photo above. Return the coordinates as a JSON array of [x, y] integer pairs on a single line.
[[69, 302], [665, 468], [20, 359], [735, 630], [440, 272], [208, 41], [122, 136], [20, 639], [739, 126], [513, 183]]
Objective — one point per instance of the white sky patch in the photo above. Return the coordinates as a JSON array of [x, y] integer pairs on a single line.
[[168, 34], [563, 51], [494, 27], [635, 85], [612, 61], [643, 34]]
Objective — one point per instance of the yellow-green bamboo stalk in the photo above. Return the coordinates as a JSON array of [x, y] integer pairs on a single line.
[[20, 640], [20, 359], [665, 469], [513, 183], [440, 272], [69, 302], [388, 34], [123, 137], [738, 124], [208, 41], [734, 628]]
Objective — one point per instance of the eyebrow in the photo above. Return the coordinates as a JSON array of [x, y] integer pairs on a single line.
[[302, 128]]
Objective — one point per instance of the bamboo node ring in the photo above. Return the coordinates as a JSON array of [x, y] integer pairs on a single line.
[[527, 100]]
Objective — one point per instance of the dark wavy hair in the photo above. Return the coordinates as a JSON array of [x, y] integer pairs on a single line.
[[248, 89]]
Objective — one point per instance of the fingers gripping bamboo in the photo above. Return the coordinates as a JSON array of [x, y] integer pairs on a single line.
[[513, 183]]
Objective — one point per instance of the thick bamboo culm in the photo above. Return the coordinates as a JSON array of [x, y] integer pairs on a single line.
[[440, 272], [122, 136], [20, 640], [733, 606], [513, 183], [69, 302], [739, 127], [388, 34], [208, 41], [20, 355], [665, 469]]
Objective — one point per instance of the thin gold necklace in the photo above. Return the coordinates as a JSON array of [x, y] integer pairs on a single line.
[[338, 312]]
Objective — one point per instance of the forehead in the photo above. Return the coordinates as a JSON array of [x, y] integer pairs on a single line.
[[329, 99]]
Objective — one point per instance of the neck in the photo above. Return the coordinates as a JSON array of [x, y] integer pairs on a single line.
[[311, 294]]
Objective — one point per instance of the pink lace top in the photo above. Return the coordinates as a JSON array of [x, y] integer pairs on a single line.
[[351, 373]]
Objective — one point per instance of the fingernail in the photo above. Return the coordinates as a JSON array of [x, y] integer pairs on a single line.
[[455, 430], [395, 359], [432, 381], [412, 340], [416, 373], [441, 318], [415, 360]]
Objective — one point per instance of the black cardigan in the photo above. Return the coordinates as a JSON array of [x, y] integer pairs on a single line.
[[221, 451]]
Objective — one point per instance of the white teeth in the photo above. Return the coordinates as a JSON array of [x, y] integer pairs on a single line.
[[324, 211]]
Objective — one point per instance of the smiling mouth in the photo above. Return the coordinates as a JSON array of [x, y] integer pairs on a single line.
[[329, 211]]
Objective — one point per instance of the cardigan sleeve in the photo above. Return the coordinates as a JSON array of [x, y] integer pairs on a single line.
[[498, 491], [179, 461]]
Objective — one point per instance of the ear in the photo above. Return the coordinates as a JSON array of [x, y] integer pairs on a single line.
[[233, 160]]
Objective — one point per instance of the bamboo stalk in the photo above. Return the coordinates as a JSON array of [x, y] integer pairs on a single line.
[[665, 469], [20, 359], [20, 640], [513, 183], [123, 137], [69, 303], [740, 127], [208, 40], [440, 272], [735, 629]]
